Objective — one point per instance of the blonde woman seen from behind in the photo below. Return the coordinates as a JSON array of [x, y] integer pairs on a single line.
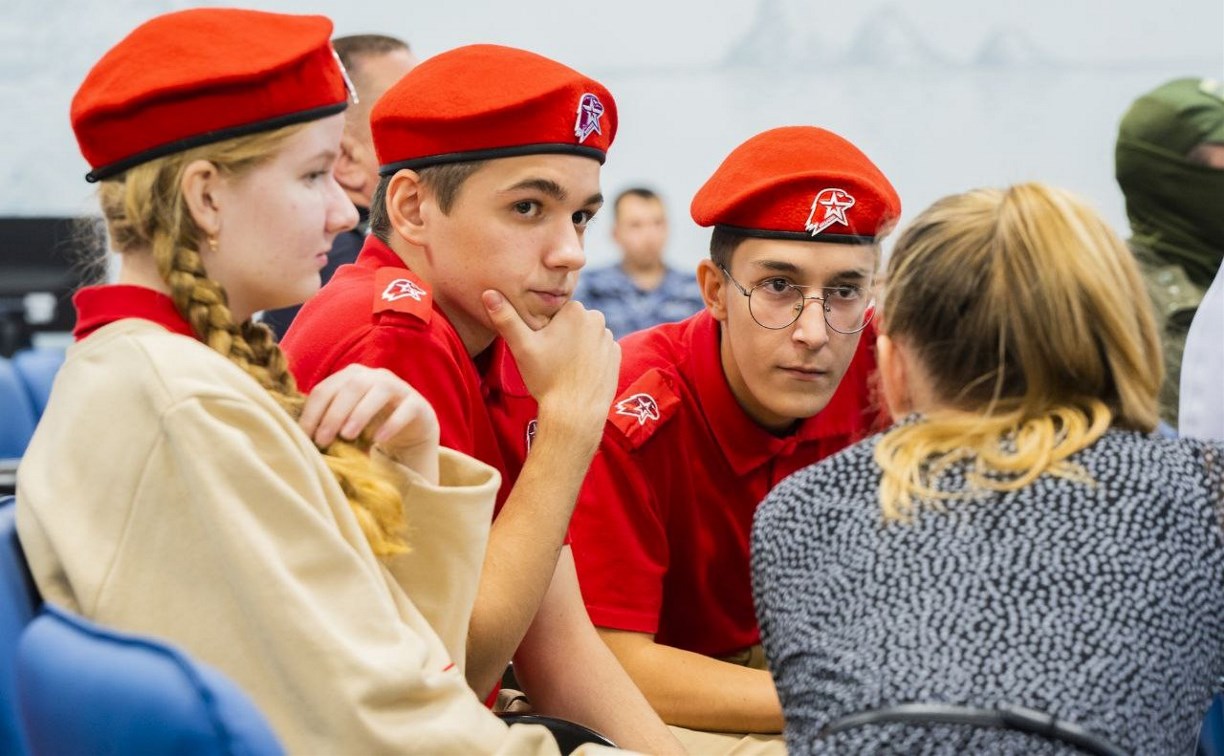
[[1020, 537], [322, 551]]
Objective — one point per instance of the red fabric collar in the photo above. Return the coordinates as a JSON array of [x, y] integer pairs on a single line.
[[746, 444], [499, 372], [376, 254], [98, 306]]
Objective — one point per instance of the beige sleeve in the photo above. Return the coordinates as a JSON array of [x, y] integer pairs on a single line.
[[448, 529], [239, 548]]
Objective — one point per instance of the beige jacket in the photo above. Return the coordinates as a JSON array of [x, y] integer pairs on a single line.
[[165, 493]]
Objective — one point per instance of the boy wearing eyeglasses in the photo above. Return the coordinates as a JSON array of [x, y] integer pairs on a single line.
[[712, 412]]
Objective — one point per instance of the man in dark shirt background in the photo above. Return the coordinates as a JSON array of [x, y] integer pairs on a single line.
[[641, 290]]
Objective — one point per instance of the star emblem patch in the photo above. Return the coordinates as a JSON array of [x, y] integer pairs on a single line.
[[401, 288], [643, 407], [590, 110], [832, 205]]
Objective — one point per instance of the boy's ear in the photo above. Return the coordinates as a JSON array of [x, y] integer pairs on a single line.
[[713, 283], [405, 197]]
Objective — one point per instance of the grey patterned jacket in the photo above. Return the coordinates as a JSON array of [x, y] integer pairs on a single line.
[[1102, 605]]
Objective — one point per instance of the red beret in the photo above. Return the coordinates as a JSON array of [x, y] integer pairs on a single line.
[[485, 101], [200, 76], [799, 182]]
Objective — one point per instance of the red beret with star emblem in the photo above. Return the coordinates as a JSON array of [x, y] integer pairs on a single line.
[[481, 102], [799, 182], [200, 76]]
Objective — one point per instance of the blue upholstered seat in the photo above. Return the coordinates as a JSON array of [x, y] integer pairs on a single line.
[[17, 417], [37, 369], [84, 688], [18, 604]]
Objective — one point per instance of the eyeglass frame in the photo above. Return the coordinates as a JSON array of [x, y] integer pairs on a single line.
[[803, 300]]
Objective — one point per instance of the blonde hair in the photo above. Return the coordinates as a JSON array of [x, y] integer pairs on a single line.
[[1030, 318], [145, 213]]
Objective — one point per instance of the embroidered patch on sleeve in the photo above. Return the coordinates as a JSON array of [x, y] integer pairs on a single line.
[[400, 290], [643, 407]]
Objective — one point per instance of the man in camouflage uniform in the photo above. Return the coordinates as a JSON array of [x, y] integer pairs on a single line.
[[1170, 167]]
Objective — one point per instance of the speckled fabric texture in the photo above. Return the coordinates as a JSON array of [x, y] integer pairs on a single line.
[[1101, 604]]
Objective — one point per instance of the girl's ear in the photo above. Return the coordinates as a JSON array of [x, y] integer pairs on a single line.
[[202, 190]]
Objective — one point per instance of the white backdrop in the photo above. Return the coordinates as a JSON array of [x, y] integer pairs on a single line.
[[942, 94]]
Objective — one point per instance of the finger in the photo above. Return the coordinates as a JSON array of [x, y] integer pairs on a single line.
[[596, 323], [413, 411], [366, 408], [596, 317], [506, 320], [316, 405], [347, 393]]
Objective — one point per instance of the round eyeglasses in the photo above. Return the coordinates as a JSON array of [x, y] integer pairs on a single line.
[[776, 304]]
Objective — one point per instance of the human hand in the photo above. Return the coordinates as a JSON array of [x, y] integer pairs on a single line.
[[360, 399], [570, 365]]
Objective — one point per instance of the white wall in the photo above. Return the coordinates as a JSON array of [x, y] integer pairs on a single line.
[[943, 94]]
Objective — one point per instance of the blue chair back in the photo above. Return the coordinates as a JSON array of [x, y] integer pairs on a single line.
[[18, 605], [17, 416], [37, 369], [1211, 734], [83, 688]]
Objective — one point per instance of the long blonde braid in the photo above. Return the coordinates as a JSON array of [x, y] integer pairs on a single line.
[[144, 211]]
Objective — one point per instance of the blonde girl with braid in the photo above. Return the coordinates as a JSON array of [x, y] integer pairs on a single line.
[[1021, 537], [151, 216], [321, 550]]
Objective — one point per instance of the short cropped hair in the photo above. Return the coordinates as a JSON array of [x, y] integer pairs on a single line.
[[356, 46], [444, 181], [640, 192], [722, 244]]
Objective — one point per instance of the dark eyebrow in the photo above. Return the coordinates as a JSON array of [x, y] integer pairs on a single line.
[[850, 275], [780, 266], [552, 189], [777, 266], [544, 186]]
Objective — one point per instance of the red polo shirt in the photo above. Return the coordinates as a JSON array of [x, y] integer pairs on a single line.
[[376, 312], [661, 531]]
